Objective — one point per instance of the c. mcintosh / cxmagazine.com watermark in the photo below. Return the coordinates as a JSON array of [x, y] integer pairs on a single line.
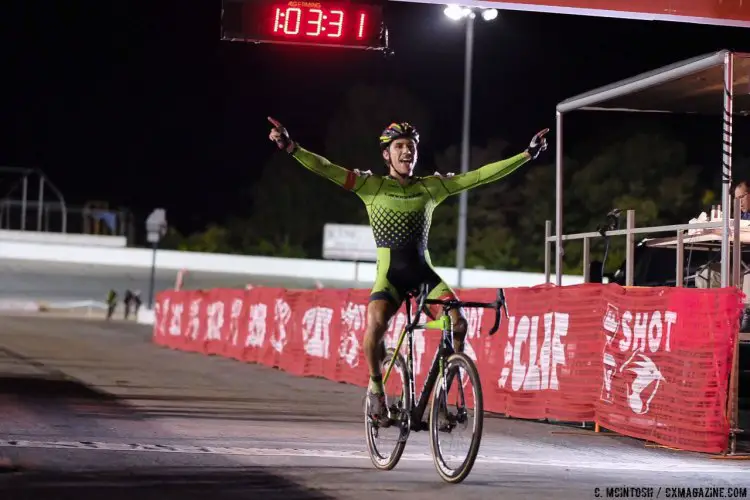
[[670, 492]]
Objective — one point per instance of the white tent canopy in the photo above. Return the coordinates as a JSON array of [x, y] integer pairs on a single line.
[[711, 84]]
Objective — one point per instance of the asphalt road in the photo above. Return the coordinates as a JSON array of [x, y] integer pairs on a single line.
[[89, 407], [56, 282]]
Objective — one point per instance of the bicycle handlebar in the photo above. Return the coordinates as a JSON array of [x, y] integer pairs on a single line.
[[498, 305]]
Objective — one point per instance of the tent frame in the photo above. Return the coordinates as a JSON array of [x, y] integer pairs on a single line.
[[589, 101], [725, 60]]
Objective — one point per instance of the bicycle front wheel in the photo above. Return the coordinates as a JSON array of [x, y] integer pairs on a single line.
[[386, 443], [451, 417]]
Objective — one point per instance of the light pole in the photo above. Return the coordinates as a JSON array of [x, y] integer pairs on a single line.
[[456, 13], [156, 229]]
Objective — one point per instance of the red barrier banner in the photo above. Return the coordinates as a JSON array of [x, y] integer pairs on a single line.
[[651, 363]]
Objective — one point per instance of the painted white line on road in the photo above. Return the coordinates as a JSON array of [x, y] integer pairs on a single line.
[[657, 464]]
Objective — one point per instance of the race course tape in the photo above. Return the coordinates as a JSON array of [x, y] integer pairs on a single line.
[[656, 465], [19, 305]]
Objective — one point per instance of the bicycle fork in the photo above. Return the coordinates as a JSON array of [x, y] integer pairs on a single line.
[[447, 380]]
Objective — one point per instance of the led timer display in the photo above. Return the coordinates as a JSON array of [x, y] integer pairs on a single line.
[[300, 22], [296, 21]]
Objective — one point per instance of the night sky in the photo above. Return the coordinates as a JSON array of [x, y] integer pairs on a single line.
[[142, 104]]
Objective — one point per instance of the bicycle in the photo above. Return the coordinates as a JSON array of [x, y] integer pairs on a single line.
[[446, 365]]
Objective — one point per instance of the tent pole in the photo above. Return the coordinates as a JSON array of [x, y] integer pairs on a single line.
[[726, 175], [558, 200]]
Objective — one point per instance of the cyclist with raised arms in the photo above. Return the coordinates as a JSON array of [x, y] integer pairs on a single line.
[[400, 205]]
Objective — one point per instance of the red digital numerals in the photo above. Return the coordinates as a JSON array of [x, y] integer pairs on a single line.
[[317, 22]]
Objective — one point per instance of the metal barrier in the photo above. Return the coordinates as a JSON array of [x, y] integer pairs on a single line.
[[630, 231], [23, 183], [56, 218], [17, 211]]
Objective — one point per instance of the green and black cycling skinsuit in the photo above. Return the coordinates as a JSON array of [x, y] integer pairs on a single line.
[[400, 217]]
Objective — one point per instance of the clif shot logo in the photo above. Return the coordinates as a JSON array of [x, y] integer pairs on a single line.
[[631, 341]]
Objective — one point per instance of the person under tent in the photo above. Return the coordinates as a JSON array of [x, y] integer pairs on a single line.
[[709, 276]]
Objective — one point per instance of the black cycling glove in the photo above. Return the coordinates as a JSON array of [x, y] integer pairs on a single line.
[[280, 136], [538, 144]]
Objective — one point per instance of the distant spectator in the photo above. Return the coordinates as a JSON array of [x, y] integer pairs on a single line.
[[741, 193], [137, 301], [132, 300], [111, 303], [127, 301], [709, 276]]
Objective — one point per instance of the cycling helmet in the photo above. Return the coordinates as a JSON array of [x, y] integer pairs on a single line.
[[403, 130]]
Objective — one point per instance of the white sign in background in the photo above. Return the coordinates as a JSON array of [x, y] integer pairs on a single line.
[[349, 242]]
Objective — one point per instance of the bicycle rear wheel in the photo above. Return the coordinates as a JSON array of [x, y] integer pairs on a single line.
[[448, 420], [385, 452]]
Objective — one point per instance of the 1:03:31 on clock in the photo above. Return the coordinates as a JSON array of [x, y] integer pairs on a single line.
[[334, 23], [316, 22]]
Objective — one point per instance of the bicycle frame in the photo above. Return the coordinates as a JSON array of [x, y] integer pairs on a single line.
[[444, 350]]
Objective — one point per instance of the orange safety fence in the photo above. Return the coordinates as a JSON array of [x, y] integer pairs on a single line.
[[651, 363]]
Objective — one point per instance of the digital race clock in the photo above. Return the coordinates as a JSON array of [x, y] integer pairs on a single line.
[[337, 23]]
